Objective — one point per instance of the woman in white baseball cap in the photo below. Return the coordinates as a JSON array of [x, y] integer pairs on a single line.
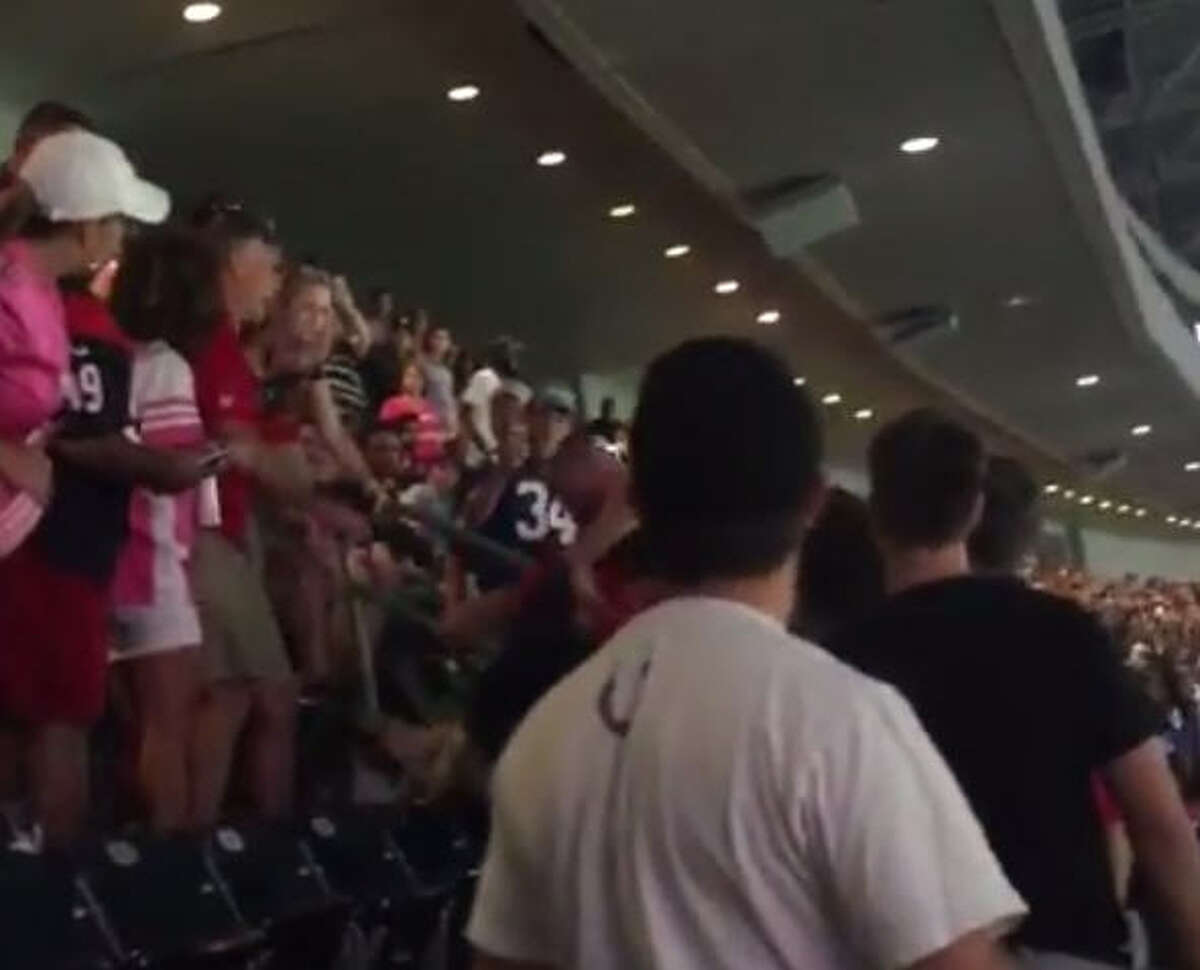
[[73, 193]]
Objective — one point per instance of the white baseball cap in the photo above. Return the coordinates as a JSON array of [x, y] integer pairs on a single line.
[[76, 175]]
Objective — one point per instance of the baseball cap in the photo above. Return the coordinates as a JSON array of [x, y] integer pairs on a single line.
[[78, 174], [517, 388], [557, 397]]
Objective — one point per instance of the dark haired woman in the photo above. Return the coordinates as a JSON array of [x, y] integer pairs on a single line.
[[166, 298]]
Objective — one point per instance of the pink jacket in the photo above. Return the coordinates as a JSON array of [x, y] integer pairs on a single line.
[[34, 352]]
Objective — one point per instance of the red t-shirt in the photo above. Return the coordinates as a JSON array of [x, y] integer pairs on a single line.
[[227, 391]]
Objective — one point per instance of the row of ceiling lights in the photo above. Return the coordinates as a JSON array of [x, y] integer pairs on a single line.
[[1105, 505], [1088, 500], [1091, 380], [552, 158], [206, 11]]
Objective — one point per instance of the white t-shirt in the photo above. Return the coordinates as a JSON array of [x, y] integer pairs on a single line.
[[707, 791], [480, 389]]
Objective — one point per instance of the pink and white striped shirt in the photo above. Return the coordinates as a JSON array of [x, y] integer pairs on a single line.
[[162, 528]]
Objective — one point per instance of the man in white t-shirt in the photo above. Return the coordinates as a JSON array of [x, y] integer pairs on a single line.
[[707, 791], [477, 396]]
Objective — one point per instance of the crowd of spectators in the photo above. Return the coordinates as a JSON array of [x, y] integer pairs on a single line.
[[1148, 616], [247, 482], [230, 492]]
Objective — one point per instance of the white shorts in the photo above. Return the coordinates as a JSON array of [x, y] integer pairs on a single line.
[[139, 631]]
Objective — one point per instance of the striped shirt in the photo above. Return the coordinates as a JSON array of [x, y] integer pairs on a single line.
[[162, 401], [346, 386]]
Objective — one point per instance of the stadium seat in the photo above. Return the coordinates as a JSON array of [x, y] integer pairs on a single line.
[[278, 888], [45, 921], [359, 858], [436, 851], [165, 905]]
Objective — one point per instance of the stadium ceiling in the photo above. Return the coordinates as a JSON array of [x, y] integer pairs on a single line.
[[334, 116], [1139, 61]]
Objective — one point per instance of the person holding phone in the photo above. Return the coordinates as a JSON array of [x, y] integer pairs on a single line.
[[166, 297]]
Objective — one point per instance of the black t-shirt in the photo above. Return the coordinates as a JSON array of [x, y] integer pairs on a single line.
[[1025, 696], [87, 520]]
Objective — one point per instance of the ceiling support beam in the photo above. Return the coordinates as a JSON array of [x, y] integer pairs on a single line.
[[1162, 91], [1096, 25]]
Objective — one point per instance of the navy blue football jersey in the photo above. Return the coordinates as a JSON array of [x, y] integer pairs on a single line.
[[86, 522], [529, 518]]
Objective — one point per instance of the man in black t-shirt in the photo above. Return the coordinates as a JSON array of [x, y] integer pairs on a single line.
[[1026, 698]]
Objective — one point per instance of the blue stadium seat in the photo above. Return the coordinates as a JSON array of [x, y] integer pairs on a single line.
[[164, 903], [45, 922], [359, 858], [437, 852], [278, 888]]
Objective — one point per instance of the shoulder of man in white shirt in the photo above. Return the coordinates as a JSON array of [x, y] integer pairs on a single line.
[[480, 388], [878, 819]]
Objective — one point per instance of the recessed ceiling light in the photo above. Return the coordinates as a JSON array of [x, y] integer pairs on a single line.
[[1140, 513], [919, 144], [1017, 301], [1051, 488], [1171, 520], [1087, 499], [864, 414], [1140, 430], [1087, 380], [200, 13], [1105, 505], [1196, 331], [1192, 466], [679, 249], [463, 92], [1122, 509], [551, 158], [725, 287], [769, 317], [833, 397], [1069, 493], [1185, 522], [799, 381], [622, 211]]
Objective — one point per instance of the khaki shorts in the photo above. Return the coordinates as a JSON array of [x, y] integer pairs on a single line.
[[241, 637]]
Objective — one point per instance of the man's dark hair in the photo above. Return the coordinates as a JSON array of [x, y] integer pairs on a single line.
[[841, 568], [227, 223], [503, 356], [1010, 521], [926, 479], [47, 118], [726, 453], [167, 289]]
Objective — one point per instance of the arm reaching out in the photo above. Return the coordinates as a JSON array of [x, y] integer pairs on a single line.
[[28, 469], [1164, 843]]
